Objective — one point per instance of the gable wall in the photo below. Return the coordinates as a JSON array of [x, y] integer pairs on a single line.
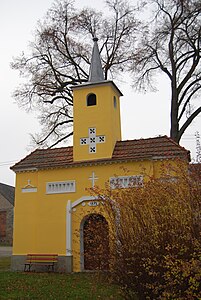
[[40, 218]]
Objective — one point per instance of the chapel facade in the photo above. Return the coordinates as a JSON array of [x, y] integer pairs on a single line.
[[53, 204]]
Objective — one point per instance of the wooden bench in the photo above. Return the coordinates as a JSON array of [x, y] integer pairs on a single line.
[[48, 260]]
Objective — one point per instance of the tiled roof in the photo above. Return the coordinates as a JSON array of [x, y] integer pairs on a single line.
[[8, 192], [151, 148]]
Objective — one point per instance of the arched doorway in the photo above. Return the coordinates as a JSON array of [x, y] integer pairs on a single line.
[[95, 243]]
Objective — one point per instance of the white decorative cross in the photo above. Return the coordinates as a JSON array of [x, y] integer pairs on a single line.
[[92, 140], [93, 178]]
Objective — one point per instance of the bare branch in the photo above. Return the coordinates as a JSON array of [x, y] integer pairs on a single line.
[[60, 56], [171, 43]]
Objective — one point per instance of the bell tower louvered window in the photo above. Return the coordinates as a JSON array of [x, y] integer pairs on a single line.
[[91, 100]]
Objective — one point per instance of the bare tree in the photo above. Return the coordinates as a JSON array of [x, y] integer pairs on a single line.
[[60, 57], [170, 44]]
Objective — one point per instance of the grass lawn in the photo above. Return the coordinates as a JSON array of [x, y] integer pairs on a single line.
[[19, 285], [4, 264]]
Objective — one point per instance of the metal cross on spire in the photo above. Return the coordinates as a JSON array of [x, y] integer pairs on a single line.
[[96, 71]]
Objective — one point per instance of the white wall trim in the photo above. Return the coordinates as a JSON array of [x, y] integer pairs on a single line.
[[60, 187], [82, 199], [69, 208], [69, 229], [29, 190], [126, 181]]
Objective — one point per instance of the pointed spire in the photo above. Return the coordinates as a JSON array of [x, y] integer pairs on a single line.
[[96, 71]]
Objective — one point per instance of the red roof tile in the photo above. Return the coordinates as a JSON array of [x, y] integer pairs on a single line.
[[151, 148]]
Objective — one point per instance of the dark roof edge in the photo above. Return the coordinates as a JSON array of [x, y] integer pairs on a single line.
[[104, 82], [98, 162]]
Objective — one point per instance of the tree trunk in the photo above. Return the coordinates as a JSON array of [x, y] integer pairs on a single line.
[[174, 131]]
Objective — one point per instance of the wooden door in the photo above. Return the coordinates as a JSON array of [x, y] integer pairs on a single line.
[[96, 243]]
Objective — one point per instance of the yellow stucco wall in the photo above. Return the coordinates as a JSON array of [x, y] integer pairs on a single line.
[[40, 218], [104, 116]]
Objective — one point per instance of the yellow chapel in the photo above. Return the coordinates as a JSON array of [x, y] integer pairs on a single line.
[[53, 205]]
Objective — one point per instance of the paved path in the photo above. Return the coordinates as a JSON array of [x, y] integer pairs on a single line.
[[5, 251]]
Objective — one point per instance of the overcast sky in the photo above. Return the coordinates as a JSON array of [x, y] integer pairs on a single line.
[[142, 115]]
